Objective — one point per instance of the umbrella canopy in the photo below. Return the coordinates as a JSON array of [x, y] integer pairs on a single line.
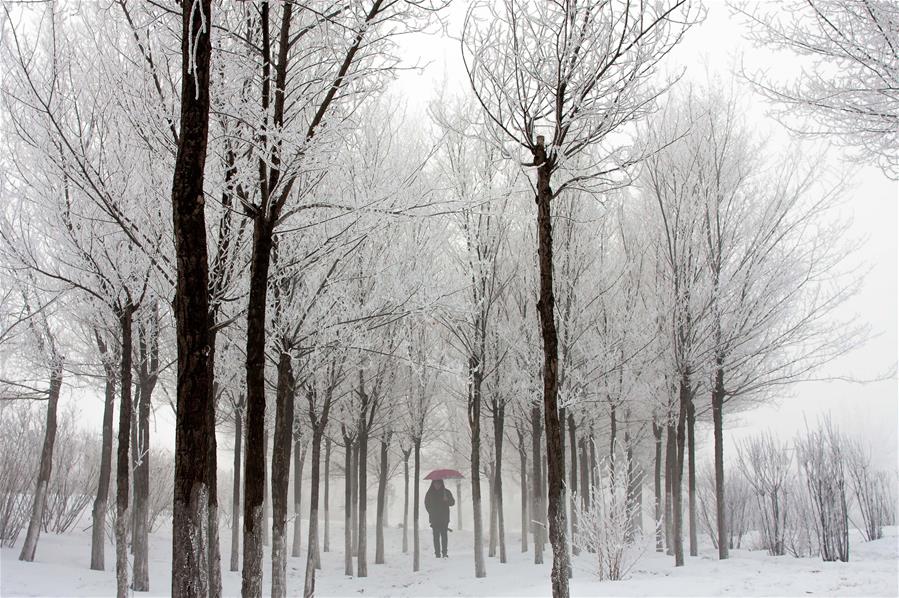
[[444, 474]]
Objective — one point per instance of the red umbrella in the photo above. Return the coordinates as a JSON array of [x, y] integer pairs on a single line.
[[444, 474]]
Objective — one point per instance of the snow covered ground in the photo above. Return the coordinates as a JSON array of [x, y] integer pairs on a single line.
[[61, 569]]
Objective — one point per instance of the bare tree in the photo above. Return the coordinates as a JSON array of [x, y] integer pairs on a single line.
[[577, 71]]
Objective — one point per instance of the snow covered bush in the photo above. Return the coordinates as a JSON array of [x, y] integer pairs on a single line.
[[73, 480], [18, 426], [871, 490], [766, 465], [820, 454], [605, 529]]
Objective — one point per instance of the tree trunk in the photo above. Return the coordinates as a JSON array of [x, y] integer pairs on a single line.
[[657, 484], [546, 309], [235, 492], [382, 496], [499, 414], [362, 548], [299, 457], [670, 467], [348, 507], [523, 464], [474, 423], [458, 503], [267, 496], [718, 424], [327, 518], [195, 474], [536, 490], [309, 584], [416, 559], [284, 421], [634, 488], [354, 484], [98, 514], [406, 453], [123, 465], [691, 479], [613, 438], [677, 493], [572, 441], [148, 371], [39, 499], [491, 490]]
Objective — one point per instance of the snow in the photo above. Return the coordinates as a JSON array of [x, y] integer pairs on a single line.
[[62, 561]]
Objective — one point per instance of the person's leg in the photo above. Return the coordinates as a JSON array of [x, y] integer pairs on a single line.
[[436, 533], [445, 537]]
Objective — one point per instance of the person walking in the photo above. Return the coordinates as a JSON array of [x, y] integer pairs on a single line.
[[438, 501]]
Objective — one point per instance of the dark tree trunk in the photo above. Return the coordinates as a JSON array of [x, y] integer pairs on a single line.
[[536, 490], [98, 514], [235, 492], [348, 506], [309, 584], [491, 490], [613, 438], [327, 518], [362, 489], [299, 458], [594, 464], [572, 441], [691, 479], [406, 454], [634, 488], [416, 547], [657, 484], [284, 420], [499, 420], [474, 423], [123, 464], [459, 504], [670, 466], [381, 505], [148, 371], [45, 466], [546, 309], [718, 424], [523, 463], [677, 492], [195, 474], [354, 484]]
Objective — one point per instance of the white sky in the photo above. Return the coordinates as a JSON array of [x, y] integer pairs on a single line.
[[714, 46]]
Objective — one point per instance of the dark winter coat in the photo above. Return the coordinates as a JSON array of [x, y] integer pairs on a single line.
[[437, 503]]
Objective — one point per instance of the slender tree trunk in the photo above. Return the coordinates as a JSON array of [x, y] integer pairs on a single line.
[[406, 454], [235, 491], [382, 496], [98, 514], [499, 414], [691, 479], [348, 506], [474, 423], [267, 497], [416, 548], [718, 424], [657, 484], [39, 499], [491, 490], [213, 550], [284, 420], [123, 464], [536, 490], [362, 548], [585, 476], [459, 503], [670, 466], [141, 538], [677, 480], [195, 474], [299, 457], [354, 484], [309, 584], [523, 463], [613, 438], [573, 490], [327, 518], [634, 488], [594, 464]]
